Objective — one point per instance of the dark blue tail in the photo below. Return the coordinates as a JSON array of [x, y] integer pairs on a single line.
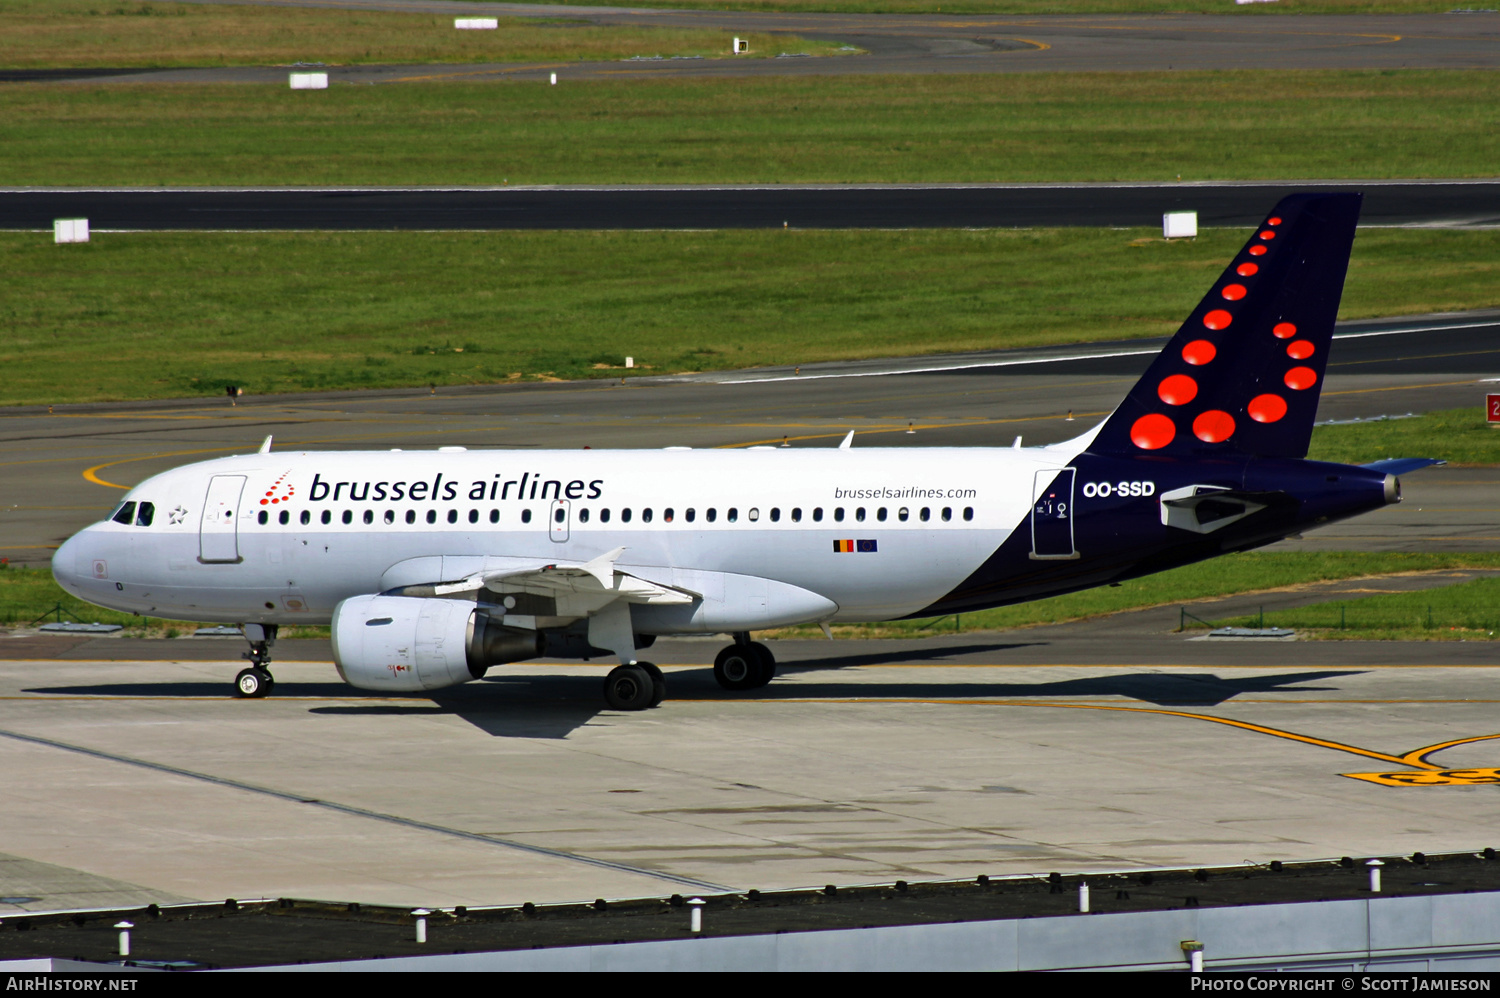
[[1243, 373]]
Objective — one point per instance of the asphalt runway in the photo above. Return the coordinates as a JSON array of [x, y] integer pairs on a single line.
[[1449, 203], [131, 782], [944, 43]]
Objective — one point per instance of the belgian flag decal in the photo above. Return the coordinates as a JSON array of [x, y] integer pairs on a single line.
[[851, 546]]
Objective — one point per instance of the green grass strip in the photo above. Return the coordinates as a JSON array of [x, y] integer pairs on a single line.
[[1235, 573], [1458, 436], [1468, 611], [157, 315], [1041, 127]]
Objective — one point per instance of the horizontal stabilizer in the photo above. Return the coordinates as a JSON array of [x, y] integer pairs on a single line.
[[1401, 465]]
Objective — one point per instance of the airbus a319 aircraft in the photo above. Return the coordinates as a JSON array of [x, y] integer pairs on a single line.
[[433, 567]]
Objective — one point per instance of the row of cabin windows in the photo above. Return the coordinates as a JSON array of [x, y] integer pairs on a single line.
[[668, 515]]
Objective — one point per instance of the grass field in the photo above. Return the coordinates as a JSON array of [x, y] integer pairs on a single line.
[[1069, 7], [1469, 611], [181, 314], [26, 593], [1035, 127], [48, 33], [1458, 436]]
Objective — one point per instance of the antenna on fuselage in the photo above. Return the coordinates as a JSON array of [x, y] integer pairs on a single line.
[[847, 441], [265, 446]]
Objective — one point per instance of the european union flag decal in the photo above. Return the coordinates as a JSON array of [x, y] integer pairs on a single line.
[[863, 546]]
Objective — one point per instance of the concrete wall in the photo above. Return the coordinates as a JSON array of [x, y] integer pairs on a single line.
[[1447, 932]]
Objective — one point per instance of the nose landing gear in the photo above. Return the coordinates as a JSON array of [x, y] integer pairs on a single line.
[[257, 680], [744, 665]]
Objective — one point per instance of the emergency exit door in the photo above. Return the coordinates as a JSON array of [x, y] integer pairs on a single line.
[[557, 519]]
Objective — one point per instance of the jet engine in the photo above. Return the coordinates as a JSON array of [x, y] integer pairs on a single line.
[[404, 643]]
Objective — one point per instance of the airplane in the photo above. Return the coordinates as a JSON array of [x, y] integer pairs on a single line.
[[434, 566]]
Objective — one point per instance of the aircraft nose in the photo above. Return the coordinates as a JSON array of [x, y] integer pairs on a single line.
[[66, 561]]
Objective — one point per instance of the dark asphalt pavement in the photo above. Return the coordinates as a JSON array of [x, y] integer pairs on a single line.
[[1456, 203], [945, 43]]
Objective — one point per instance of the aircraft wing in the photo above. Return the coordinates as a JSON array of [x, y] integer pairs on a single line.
[[596, 581]]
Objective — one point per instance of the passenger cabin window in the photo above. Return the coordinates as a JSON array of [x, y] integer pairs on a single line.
[[146, 511], [306, 517], [560, 515], [625, 515], [261, 517], [604, 516], [125, 514], [926, 514], [369, 516], [473, 516], [775, 514], [880, 514], [411, 516], [327, 516], [712, 514], [283, 518], [666, 515], [902, 514], [348, 516], [733, 515], [947, 513], [452, 516], [390, 516], [525, 516], [583, 516], [838, 514], [817, 514], [968, 512], [494, 516], [859, 514], [797, 514], [646, 515], [432, 516], [754, 514], [690, 514]]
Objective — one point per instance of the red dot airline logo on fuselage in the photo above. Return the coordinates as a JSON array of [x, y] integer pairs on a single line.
[[282, 491]]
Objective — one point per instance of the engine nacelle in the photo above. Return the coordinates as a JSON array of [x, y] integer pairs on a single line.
[[402, 643]]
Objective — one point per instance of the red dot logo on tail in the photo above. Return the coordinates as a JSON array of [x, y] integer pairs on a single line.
[[1266, 408], [1214, 426], [1153, 431], [1218, 319], [1301, 378], [1177, 389], [1199, 352]]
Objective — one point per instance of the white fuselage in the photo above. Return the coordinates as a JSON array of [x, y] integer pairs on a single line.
[[284, 537]]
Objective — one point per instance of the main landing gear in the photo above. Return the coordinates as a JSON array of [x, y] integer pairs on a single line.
[[744, 665], [257, 680], [635, 687]]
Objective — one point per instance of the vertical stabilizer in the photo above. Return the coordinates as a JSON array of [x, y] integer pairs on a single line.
[[1244, 372]]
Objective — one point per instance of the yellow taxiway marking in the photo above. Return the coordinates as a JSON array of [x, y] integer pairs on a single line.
[[89, 474], [1425, 773]]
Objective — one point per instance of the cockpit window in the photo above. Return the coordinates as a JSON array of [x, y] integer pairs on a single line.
[[143, 514], [125, 513]]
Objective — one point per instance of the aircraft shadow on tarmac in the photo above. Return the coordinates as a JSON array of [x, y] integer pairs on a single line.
[[553, 706]]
